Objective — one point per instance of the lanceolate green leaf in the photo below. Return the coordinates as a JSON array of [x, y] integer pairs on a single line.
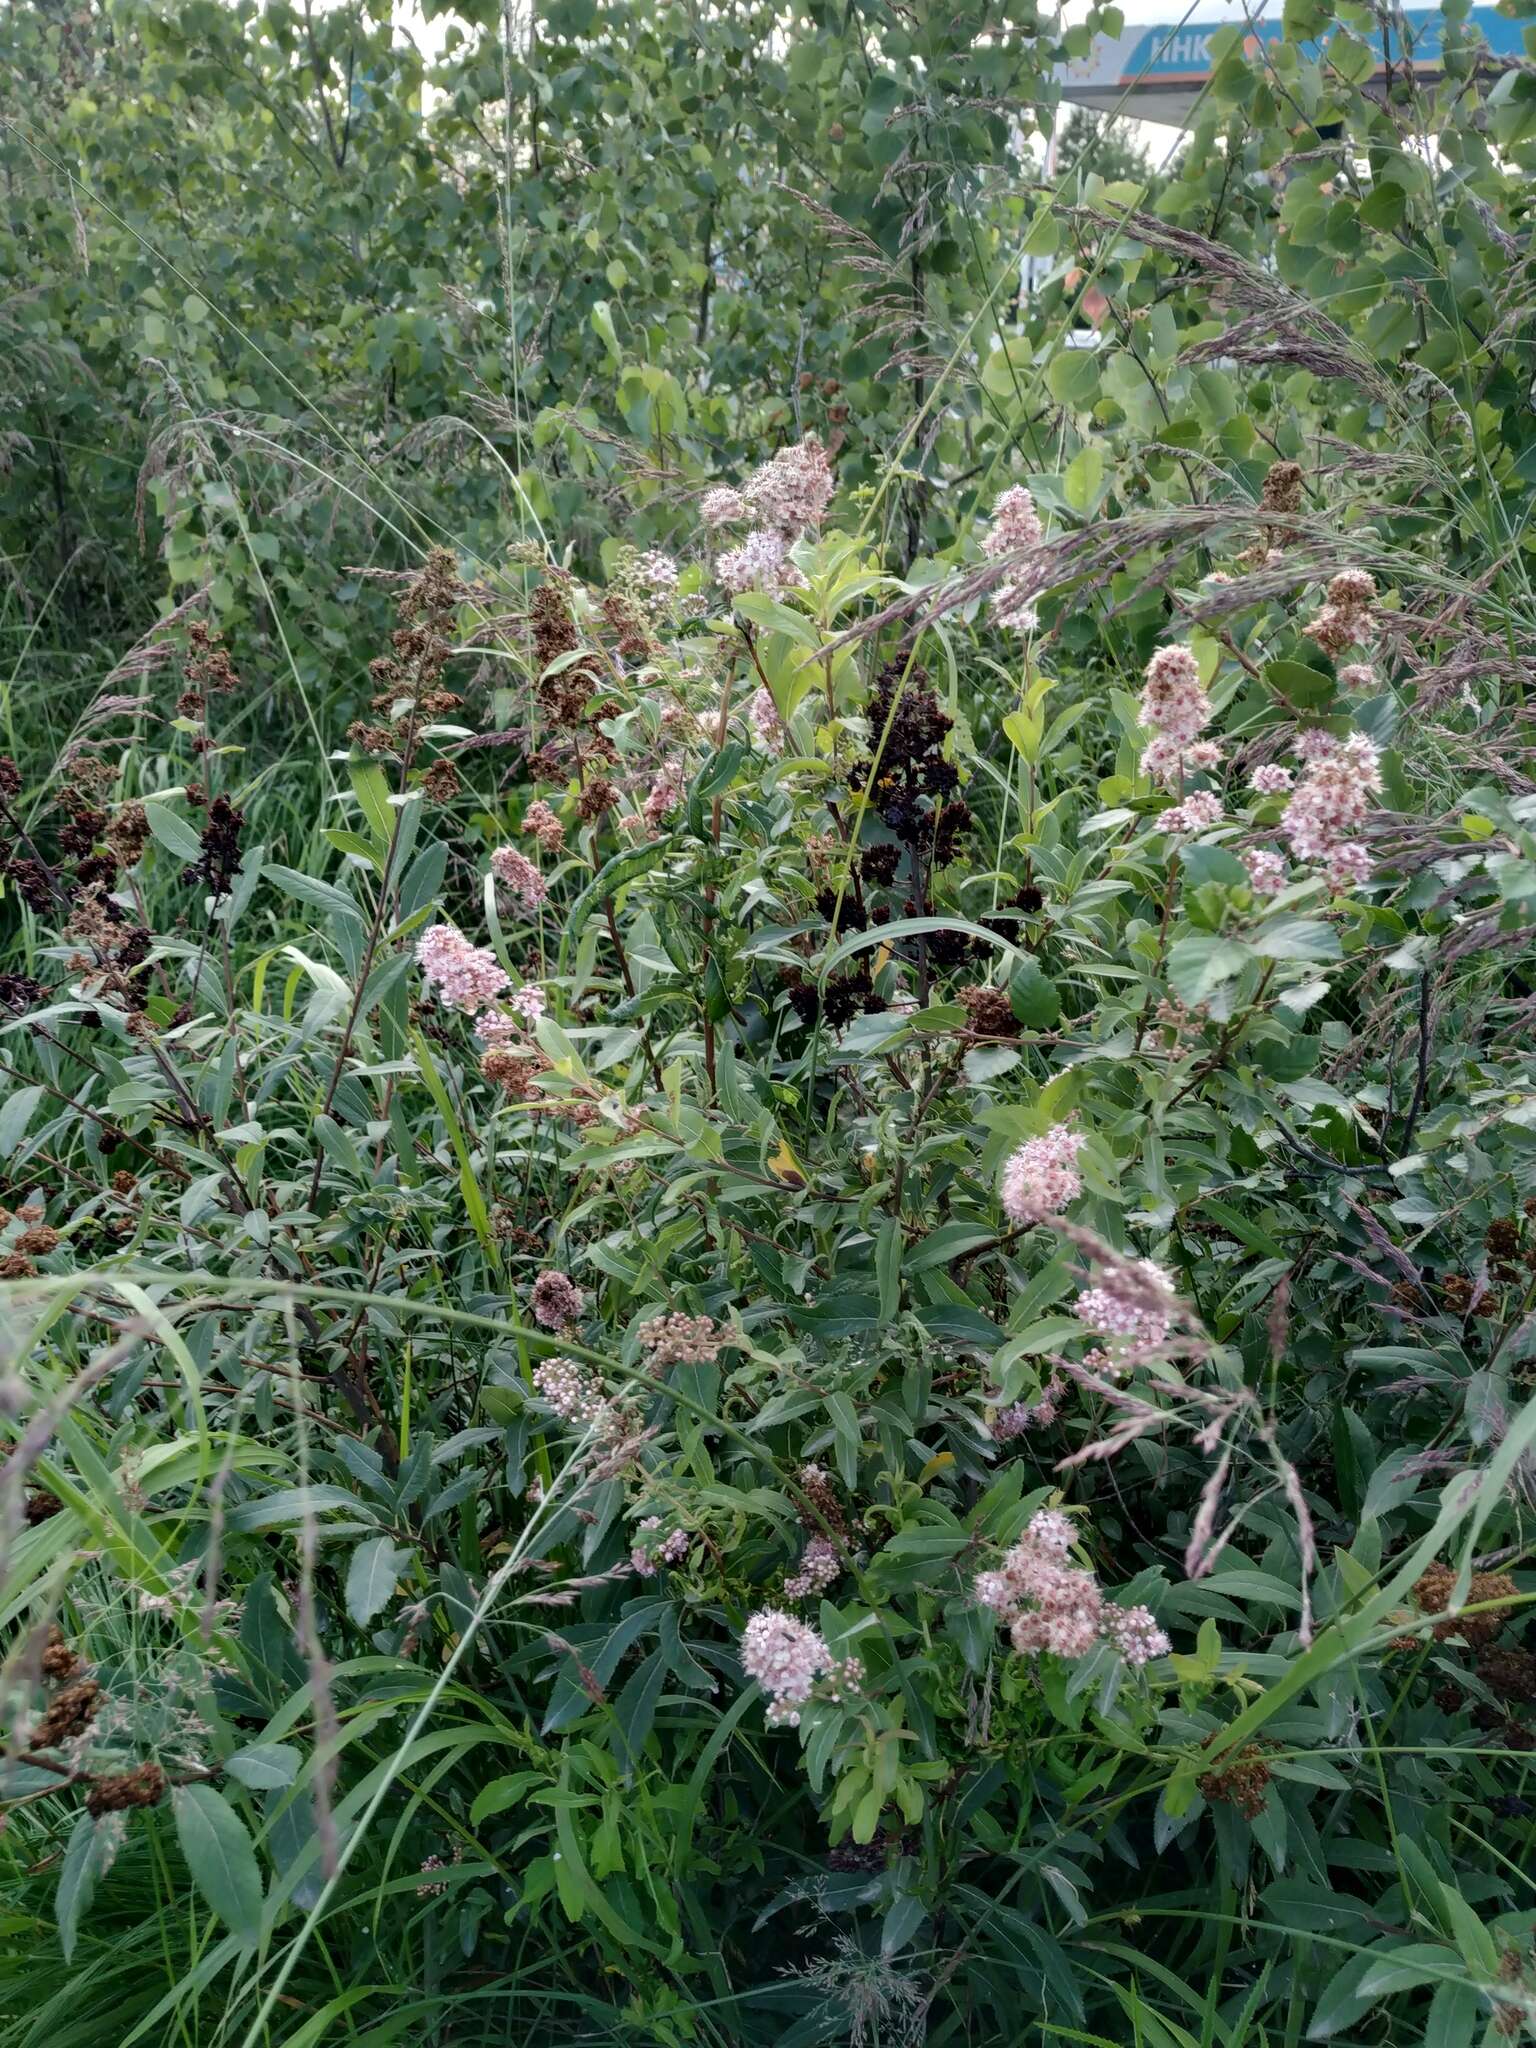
[[85, 1857], [624, 867], [371, 1577], [220, 1858]]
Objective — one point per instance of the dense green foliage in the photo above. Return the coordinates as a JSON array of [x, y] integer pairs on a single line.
[[767, 1132]]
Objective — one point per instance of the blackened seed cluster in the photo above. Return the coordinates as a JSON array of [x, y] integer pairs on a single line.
[[219, 861], [911, 785]]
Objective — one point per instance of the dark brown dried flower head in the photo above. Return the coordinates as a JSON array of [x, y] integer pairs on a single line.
[[144, 1785], [878, 864], [990, 1012], [70, 1713], [371, 739], [563, 694], [1493, 1591], [127, 833], [438, 703], [1282, 488], [32, 883], [514, 1072], [598, 796], [908, 780], [822, 1495], [86, 825], [634, 640], [96, 871], [59, 1660], [219, 862], [1240, 1781], [1509, 1674], [20, 992], [209, 665]]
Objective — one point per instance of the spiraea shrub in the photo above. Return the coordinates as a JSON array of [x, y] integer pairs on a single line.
[[781, 1289], [863, 1311]]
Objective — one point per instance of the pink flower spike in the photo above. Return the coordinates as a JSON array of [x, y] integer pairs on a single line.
[[518, 874]]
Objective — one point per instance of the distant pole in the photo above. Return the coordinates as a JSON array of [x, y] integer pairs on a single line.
[[1033, 268]]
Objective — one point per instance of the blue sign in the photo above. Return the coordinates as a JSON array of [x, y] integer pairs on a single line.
[[1179, 53]]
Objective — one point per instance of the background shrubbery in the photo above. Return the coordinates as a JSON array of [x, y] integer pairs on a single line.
[[766, 1114]]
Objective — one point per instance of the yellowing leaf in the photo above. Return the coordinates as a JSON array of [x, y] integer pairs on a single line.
[[786, 1167]]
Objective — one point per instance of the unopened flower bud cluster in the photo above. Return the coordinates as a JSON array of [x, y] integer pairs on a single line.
[[679, 1339]]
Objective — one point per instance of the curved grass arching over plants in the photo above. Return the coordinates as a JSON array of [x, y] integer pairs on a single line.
[[767, 1183]]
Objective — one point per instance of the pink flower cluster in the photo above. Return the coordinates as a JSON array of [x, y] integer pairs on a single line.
[[570, 1390], [791, 492], [1023, 1416], [786, 1657], [664, 796], [1048, 1604], [1194, 813], [517, 873], [1175, 710], [1269, 779], [647, 1554], [557, 1300], [1358, 675], [464, 977], [1173, 701], [1348, 867], [1133, 1298], [1330, 804], [1135, 1634], [434, 1887], [760, 563], [526, 1005], [541, 821], [1267, 872], [1015, 529], [1041, 1178], [819, 1566], [1052, 1605], [787, 496], [763, 714], [721, 506], [1315, 744], [656, 574]]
